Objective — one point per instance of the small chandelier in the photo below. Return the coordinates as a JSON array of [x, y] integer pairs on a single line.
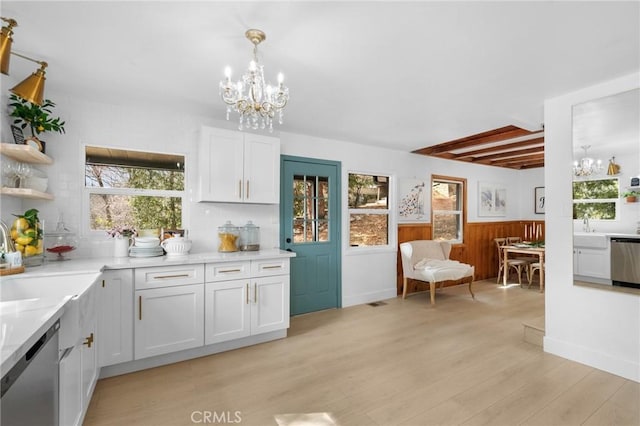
[[256, 101], [587, 166]]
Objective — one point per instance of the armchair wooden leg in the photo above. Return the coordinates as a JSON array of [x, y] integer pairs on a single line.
[[404, 287], [432, 290], [473, 296]]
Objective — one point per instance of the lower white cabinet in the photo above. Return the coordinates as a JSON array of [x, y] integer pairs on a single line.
[[115, 317], [78, 367], [245, 307], [592, 262], [168, 319]]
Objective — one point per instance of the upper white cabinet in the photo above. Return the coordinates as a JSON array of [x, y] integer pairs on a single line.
[[236, 167]]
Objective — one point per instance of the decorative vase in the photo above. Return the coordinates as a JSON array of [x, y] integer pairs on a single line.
[[121, 246]]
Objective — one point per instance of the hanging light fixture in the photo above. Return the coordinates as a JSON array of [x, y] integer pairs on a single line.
[[256, 101], [32, 87], [587, 166]]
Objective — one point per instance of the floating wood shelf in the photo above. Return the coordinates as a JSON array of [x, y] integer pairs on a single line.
[[26, 193], [24, 153]]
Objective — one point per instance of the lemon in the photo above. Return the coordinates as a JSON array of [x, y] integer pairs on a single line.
[[20, 224], [20, 248], [30, 233], [24, 240], [14, 233], [30, 251]]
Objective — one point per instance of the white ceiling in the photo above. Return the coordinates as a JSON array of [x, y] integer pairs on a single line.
[[398, 74]]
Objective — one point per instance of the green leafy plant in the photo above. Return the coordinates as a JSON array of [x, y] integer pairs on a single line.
[[631, 194], [37, 117]]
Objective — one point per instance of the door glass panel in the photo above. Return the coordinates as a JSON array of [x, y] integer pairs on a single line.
[[310, 209]]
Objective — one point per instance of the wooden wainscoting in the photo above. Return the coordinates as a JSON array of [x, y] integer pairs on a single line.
[[478, 248]]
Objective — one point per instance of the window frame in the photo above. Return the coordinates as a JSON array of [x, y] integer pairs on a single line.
[[616, 201], [389, 212], [463, 212], [87, 191]]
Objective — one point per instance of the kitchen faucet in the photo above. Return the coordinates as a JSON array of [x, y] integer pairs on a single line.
[[6, 243], [585, 223]]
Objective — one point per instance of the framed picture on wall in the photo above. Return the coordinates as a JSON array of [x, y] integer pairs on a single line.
[[411, 201], [539, 199], [492, 199]]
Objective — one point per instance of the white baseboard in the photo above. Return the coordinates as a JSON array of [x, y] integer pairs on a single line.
[[620, 367], [373, 296]]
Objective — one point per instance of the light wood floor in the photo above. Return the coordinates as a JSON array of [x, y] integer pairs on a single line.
[[403, 363]]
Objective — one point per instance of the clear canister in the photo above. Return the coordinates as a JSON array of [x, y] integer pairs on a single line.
[[228, 235], [250, 237]]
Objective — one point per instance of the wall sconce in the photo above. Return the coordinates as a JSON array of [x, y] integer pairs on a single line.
[[32, 87]]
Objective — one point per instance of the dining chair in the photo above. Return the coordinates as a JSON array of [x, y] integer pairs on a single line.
[[535, 266], [516, 264], [516, 240]]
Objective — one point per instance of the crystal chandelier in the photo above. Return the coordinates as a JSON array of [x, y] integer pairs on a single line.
[[256, 101], [587, 166]]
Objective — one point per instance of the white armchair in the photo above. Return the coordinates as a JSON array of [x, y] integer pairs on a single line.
[[428, 260]]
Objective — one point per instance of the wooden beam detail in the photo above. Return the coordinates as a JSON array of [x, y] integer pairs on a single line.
[[505, 147], [497, 135]]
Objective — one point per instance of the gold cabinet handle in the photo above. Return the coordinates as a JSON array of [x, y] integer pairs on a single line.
[[255, 292], [272, 267], [164, 277], [140, 307], [102, 283], [247, 287], [228, 271], [88, 341], [247, 194], [240, 189]]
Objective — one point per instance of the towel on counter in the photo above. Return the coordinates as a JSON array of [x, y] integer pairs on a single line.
[[435, 270]]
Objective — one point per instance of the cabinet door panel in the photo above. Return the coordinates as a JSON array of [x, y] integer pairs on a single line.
[[167, 276], [169, 320], [261, 169], [70, 387], [594, 263], [115, 320], [270, 307], [227, 311], [220, 160]]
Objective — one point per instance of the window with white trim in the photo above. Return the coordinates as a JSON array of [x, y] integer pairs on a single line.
[[596, 198], [144, 190], [369, 214]]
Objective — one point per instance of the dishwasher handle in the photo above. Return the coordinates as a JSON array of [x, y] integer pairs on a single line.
[[626, 240]]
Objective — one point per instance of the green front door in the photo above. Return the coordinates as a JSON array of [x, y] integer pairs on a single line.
[[310, 227]]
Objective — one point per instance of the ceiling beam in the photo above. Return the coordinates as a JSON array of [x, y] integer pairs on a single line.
[[504, 147], [496, 135]]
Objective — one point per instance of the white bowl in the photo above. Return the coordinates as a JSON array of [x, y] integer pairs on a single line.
[[146, 242], [176, 246]]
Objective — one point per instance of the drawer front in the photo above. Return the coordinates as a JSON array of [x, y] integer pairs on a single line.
[[269, 267], [225, 271], [168, 276]]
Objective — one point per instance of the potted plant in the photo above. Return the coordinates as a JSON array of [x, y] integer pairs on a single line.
[[631, 196], [37, 117]]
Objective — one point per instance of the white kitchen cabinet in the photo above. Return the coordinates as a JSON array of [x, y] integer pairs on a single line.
[[227, 311], [255, 304], [115, 317], [168, 319], [238, 167], [78, 368], [592, 262], [70, 387]]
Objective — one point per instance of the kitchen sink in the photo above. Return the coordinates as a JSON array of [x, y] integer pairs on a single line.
[[26, 292], [590, 239]]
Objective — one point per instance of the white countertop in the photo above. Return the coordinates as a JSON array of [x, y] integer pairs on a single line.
[[23, 321]]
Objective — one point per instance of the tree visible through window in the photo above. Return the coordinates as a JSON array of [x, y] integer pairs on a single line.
[[132, 188], [368, 210], [596, 199], [447, 208]]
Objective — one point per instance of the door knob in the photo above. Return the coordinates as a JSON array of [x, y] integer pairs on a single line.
[[288, 240]]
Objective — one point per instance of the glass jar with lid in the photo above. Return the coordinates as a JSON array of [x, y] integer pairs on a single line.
[[228, 235], [250, 237], [60, 242]]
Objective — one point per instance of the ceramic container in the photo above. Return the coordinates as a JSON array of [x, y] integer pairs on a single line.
[[176, 246]]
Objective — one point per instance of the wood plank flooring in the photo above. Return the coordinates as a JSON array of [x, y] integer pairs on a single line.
[[403, 363]]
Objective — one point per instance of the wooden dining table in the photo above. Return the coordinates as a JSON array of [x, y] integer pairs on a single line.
[[525, 249]]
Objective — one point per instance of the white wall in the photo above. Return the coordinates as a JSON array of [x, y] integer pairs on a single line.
[[597, 327], [367, 275]]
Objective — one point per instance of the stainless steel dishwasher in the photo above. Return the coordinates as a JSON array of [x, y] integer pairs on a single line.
[[625, 262], [30, 388]]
